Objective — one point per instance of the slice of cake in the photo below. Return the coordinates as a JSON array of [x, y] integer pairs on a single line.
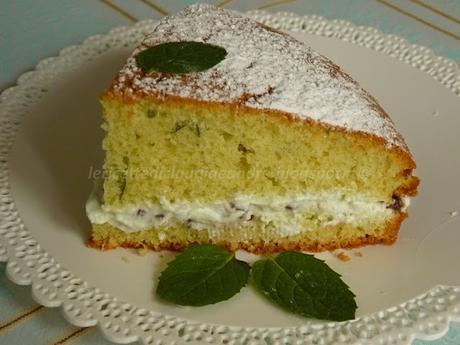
[[272, 148]]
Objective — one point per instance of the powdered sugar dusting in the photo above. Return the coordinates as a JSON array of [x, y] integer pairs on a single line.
[[263, 69]]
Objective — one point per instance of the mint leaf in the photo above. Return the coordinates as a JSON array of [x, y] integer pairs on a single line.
[[304, 285], [180, 57], [202, 274]]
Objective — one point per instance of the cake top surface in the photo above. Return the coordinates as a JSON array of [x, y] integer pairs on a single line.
[[263, 69]]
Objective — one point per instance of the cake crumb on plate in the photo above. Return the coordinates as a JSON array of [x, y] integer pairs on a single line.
[[142, 251], [342, 256]]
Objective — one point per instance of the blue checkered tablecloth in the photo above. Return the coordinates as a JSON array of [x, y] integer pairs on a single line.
[[31, 30]]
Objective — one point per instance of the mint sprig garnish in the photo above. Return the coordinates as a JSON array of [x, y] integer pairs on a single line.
[[299, 283], [180, 57], [304, 285], [201, 275]]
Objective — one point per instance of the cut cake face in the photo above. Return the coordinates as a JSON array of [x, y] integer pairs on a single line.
[[273, 148]]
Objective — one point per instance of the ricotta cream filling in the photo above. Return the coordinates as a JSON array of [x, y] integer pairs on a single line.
[[285, 213]]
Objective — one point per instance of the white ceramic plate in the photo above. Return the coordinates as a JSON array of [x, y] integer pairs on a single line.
[[56, 114]]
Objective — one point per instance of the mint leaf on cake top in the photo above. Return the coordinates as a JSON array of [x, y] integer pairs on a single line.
[[201, 275], [180, 57], [304, 285]]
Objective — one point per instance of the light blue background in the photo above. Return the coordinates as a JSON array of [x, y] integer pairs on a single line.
[[31, 30]]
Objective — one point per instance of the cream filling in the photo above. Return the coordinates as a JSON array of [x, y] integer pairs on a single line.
[[285, 213]]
